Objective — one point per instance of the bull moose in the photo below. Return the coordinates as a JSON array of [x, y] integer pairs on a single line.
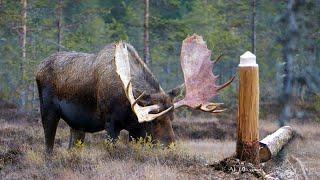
[[115, 90]]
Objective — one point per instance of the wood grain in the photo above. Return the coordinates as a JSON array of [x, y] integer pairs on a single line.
[[248, 115]]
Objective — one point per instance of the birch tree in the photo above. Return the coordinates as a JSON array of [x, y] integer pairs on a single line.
[[146, 33], [23, 42]]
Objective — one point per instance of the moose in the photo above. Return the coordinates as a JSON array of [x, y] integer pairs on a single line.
[[115, 90]]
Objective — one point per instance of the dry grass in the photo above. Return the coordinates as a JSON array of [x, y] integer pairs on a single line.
[[304, 148], [22, 156], [211, 150], [201, 141]]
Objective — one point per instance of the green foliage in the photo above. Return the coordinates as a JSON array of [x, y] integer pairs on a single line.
[[89, 25], [316, 107], [79, 144], [317, 103]]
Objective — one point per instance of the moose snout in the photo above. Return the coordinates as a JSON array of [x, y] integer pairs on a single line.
[[167, 141]]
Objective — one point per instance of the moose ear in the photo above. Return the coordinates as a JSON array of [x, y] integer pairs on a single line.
[[175, 92]]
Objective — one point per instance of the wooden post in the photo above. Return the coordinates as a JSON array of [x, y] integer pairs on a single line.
[[248, 109]]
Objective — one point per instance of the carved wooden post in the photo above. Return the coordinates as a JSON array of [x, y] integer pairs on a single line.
[[248, 109]]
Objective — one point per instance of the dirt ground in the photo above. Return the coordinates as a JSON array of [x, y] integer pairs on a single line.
[[201, 141]]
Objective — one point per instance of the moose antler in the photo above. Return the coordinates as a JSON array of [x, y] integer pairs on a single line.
[[123, 69], [143, 113], [199, 78]]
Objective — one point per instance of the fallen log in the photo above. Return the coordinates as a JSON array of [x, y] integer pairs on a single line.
[[271, 145]]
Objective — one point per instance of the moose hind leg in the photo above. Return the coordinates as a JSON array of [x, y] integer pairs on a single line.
[[50, 119], [49, 115], [76, 136]]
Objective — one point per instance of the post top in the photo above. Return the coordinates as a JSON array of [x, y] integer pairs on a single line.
[[248, 59]]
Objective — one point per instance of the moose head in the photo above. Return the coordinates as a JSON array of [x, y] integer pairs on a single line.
[[151, 104]]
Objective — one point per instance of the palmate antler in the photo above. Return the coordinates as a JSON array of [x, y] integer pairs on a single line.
[[199, 79], [123, 69]]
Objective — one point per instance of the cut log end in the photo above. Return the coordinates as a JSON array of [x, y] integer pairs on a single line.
[[264, 153], [271, 145]]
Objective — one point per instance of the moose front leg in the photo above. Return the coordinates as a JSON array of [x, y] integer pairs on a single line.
[[76, 136], [113, 131], [113, 128]]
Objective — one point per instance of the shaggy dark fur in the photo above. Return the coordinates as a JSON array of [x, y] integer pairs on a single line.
[[86, 92]]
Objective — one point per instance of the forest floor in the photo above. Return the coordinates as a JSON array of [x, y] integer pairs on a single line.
[[200, 141]]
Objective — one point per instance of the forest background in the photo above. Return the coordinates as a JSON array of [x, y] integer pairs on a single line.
[[284, 34]]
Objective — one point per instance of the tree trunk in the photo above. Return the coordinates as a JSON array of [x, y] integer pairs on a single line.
[[23, 41], [59, 23], [289, 43], [146, 33], [253, 27], [32, 54]]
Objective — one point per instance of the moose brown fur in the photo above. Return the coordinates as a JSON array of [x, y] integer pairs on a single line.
[[115, 90], [86, 92]]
